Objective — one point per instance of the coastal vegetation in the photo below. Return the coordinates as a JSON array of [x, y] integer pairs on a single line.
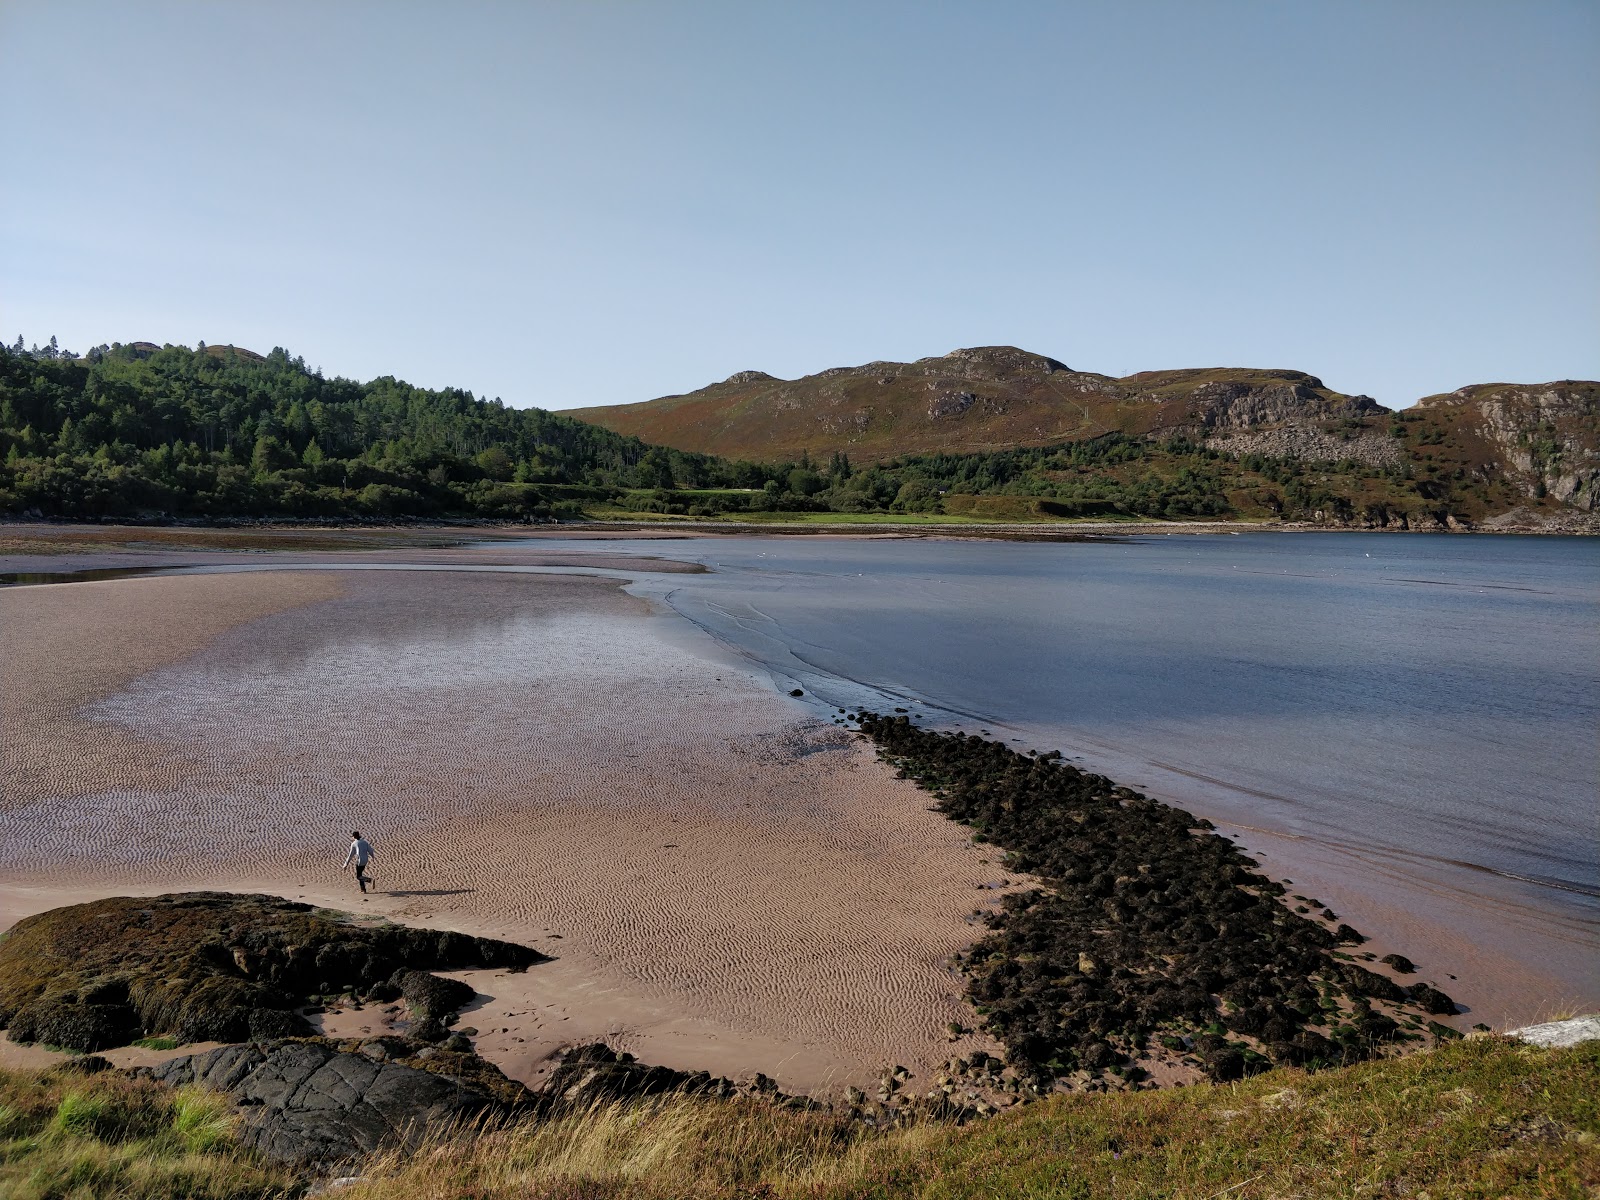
[[1153, 939], [219, 432], [138, 431], [1466, 1121]]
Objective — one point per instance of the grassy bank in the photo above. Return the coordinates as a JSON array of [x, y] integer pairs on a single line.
[[1480, 1119], [70, 1136]]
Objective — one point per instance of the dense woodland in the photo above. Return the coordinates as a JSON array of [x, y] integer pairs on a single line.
[[214, 431], [145, 431]]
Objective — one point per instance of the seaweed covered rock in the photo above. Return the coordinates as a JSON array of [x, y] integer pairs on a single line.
[[319, 1101], [431, 996], [595, 1073], [212, 966], [1150, 927]]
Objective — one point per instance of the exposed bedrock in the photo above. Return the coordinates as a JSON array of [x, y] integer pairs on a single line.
[[212, 966], [311, 1101], [318, 1101]]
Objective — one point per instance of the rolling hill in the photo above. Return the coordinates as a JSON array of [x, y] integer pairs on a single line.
[[1537, 441]]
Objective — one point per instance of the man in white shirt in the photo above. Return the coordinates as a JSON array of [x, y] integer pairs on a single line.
[[361, 855]]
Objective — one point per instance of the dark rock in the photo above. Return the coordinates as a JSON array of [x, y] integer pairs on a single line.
[[66, 1022], [1225, 1064], [1145, 917], [314, 1102], [1431, 1000], [597, 1074], [431, 995], [429, 1029], [1401, 964], [210, 966]]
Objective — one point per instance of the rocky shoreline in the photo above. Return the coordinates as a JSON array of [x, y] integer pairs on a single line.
[[1151, 944]]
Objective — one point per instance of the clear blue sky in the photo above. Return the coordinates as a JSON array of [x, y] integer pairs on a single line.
[[593, 202]]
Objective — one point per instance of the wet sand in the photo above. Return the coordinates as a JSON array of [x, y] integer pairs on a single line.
[[726, 884]]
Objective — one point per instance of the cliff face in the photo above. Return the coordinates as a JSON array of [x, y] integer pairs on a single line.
[[1544, 437], [980, 398]]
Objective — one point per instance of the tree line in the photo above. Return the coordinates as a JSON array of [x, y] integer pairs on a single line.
[[141, 430]]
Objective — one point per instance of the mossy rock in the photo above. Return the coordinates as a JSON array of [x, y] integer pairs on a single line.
[[212, 966], [1146, 920]]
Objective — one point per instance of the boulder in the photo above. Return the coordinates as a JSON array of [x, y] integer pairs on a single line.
[[212, 966], [315, 1101], [1557, 1035]]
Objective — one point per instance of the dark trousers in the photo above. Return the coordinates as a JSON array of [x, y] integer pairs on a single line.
[[361, 875]]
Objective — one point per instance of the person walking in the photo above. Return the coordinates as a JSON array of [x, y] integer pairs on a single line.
[[361, 854]]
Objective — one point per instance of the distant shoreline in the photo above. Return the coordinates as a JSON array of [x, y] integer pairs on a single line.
[[1569, 525]]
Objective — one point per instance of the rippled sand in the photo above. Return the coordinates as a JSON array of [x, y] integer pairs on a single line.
[[726, 882]]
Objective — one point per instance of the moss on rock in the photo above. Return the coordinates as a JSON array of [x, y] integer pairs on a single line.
[[208, 966], [1149, 926]]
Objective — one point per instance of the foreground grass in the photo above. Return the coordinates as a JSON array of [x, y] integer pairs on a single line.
[[1485, 1119], [65, 1136], [1481, 1119]]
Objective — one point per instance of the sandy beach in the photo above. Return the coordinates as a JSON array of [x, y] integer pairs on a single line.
[[725, 883]]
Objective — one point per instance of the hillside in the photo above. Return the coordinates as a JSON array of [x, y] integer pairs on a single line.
[[1510, 443], [143, 430], [146, 431], [1543, 437], [985, 398]]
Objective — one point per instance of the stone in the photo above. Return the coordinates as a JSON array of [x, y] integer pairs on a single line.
[[315, 1102], [213, 966], [1556, 1035]]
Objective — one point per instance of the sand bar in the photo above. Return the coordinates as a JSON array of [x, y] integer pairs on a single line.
[[726, 883]]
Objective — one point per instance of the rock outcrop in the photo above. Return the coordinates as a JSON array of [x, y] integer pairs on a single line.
[[1545, 436], [316, 1101], [213, 966], [1556, 1035], [319, 1101], [1150, 938]]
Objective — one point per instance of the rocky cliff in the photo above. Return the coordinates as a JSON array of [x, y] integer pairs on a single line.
[[1545, 437]]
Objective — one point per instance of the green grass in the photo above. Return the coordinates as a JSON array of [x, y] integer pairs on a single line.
[[156, 1043], [1475, 1120], [67, 1136]]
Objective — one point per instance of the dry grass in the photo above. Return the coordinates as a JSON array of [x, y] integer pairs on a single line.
[[1485, 1118], [1475, 1120], [66, 1136]]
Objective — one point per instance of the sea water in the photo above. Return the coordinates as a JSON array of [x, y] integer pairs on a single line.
[[1425, 702]]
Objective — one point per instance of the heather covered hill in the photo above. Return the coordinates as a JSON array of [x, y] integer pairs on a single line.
[[984, 398], [1545, 437], [1506, 444]]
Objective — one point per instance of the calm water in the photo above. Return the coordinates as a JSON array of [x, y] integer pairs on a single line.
[[1430, 700]]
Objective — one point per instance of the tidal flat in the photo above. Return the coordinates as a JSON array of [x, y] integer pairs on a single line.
[[723, 882], [589, 747]]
